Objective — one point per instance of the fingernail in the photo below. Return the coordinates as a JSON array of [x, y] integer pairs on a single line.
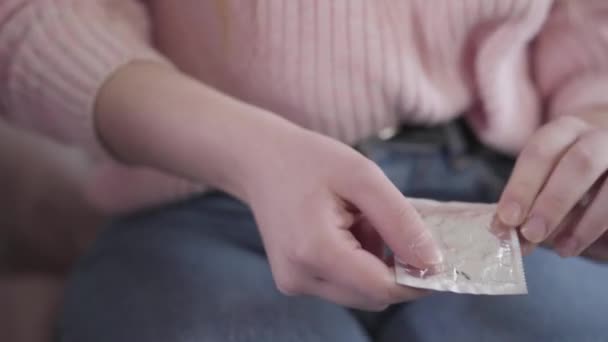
[[510, 213], [567, 248], [497, 226], [535, 229], [428, 252]]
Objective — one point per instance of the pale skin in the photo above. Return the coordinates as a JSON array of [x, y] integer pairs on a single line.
[[557, 193], [309, 216], [303, 269], [308, 192]]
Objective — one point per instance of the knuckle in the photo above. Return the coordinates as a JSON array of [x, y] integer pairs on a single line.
[[520, 190], [536, 151], [582, 158], [554, 203], [288, 285], [304, 253]]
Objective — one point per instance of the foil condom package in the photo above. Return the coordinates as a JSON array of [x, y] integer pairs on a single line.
[[477, 258]]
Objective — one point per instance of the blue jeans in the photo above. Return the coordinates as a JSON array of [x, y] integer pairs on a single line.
[[196, 271]]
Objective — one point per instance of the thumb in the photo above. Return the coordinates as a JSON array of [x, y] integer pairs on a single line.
[[395, 219]]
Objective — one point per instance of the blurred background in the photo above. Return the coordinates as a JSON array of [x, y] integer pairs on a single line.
[[44, 225]]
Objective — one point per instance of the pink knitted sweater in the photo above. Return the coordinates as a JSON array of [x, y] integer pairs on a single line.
[[346, 68]]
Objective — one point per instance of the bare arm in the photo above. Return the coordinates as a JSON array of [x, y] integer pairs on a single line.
[[151, 115]]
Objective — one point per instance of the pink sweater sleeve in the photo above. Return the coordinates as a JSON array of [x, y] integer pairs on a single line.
[[54, 57], [56, 54], [571, 58], [550, 59]]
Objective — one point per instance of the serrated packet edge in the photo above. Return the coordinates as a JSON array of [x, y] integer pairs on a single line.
[[448, 285]]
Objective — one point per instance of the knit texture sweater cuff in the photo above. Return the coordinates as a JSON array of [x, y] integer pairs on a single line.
[[61, 53]]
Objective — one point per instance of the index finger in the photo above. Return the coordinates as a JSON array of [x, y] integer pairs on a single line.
[[534, 166], [395, 219]]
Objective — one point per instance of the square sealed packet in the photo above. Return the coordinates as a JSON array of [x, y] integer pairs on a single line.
[[477, 259]]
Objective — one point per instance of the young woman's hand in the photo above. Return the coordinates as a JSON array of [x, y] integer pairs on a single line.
[[558, 192], [324, 211], [321, 206]]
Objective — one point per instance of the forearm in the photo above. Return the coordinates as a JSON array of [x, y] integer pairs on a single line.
[[152, 115]]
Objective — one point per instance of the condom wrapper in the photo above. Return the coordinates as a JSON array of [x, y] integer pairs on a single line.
[[477, 258]]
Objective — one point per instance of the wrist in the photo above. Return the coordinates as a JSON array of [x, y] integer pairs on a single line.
[[258, 153], [157, 117]]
